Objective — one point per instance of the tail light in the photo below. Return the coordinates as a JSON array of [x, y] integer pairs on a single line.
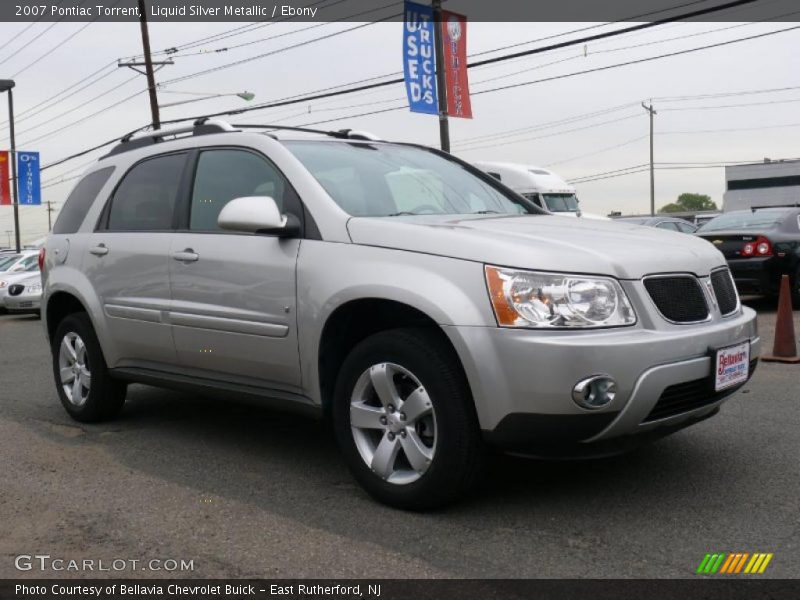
[[760, 247], [41, 258]]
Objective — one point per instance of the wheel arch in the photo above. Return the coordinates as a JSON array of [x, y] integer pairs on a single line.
[[354, 321]]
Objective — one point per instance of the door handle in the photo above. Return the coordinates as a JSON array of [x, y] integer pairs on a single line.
[[187, 255], [99, 250]]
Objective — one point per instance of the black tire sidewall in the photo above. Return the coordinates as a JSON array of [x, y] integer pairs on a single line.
[[458, 437], [106, 396]]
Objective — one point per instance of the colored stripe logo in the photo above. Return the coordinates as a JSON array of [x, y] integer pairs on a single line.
[[734, 563]]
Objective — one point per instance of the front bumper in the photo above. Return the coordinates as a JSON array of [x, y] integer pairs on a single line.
[[23, 303], [522, 379]]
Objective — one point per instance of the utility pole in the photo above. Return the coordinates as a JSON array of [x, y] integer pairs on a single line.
[[50, 211], [148, 64], [441, 88], [652, 112], [7, 85]]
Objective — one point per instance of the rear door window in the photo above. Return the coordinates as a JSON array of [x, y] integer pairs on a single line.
[[145, 200], [80, 201]]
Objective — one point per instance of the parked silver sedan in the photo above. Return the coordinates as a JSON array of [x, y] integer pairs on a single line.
[[25, 295]]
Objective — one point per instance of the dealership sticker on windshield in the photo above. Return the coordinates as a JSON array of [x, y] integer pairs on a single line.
[[733, 364]]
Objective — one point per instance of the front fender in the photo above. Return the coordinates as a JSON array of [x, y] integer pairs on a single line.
[[329, 275]]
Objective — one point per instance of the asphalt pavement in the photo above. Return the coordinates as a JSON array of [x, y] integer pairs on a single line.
[[245, 492]]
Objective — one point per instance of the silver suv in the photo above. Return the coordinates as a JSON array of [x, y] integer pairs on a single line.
[[426, 309]]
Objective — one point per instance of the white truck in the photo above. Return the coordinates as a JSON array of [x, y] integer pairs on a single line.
[[543, 187]]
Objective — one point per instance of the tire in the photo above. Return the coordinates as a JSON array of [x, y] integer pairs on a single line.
[[445, 456], [75, 347]]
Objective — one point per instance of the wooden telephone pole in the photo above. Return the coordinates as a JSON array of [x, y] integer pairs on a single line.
[[148, 65], [652, 113]]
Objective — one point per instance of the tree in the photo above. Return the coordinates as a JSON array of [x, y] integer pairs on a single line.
[[690, 203]]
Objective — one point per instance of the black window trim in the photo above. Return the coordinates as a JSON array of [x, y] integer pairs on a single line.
[[102, 221]]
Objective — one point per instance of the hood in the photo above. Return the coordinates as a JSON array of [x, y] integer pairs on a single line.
[[544, 242]]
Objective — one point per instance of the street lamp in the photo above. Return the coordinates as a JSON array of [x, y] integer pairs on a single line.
[[246, 96], [6, 85]]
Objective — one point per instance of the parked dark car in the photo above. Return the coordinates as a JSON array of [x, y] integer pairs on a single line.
[[668, 223], [760, 246]]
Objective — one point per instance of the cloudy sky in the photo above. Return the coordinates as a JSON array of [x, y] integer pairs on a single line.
[[580, 126]]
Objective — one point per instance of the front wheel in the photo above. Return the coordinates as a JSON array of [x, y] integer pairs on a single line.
[[405, 421], [84, 385]]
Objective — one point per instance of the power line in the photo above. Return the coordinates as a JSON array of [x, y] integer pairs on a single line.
[[596, 152], [287, 33], [236, 31], [277, 51], [300, 99], [53, 49], [80, 106]]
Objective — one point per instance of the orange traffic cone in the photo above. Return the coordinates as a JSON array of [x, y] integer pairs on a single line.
[[785, 348]]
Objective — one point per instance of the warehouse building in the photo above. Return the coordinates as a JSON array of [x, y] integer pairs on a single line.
[[769, 183]]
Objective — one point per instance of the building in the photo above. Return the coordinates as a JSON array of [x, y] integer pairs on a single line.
[[769, 183]]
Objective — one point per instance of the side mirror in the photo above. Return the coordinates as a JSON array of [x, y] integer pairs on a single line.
[[257, 214]]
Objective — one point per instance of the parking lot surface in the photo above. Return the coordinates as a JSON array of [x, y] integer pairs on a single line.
[[245, 492]]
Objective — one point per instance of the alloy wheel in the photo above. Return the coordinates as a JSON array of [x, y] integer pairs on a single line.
[[73, 364], [393, 422]]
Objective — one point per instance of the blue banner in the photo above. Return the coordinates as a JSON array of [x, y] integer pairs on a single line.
[[419, 59], [30, 185]]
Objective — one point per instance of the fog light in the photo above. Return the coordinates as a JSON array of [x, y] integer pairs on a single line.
[[594, 392]]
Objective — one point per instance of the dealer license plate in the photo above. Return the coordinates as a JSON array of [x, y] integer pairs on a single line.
[[732, 366]]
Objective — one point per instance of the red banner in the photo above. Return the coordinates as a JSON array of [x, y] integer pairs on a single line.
[[5, 178], [454, 36]]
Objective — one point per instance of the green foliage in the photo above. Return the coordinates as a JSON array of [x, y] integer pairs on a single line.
[[688, 202]]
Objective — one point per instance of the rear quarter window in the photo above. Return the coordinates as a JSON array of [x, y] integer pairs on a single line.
[[80, 200]]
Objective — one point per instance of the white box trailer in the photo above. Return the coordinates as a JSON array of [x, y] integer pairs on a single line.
[[770, 183], [539, 185]]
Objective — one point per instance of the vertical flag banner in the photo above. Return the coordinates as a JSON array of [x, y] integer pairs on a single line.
[[30, 187], [419, 59], [5, 177], [454, 34]]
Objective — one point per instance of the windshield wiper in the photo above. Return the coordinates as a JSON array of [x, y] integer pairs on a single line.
[[402, 213], [486, 212]]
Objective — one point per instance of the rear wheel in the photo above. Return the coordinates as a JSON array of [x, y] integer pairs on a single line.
[[795, 287], [85, 387], [404, 419]]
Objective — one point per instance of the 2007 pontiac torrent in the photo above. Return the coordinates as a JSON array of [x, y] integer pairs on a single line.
[[426, 309]]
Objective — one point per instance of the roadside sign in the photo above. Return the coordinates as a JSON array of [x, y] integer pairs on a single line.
[[29, 188], [419, 59], [5, 178], [454, 34]]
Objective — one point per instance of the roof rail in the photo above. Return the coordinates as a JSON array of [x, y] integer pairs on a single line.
[[135, 140], [341, 133]]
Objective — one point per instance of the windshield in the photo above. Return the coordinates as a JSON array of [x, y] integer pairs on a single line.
[[383, 180], [760, 219], [561, 202], [7, 261]]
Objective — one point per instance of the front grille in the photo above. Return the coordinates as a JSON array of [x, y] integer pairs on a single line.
[[690, 395], [725, 291], [15, 290], [678, 298]]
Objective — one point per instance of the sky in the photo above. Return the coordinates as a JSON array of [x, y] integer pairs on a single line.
[[540, 116]]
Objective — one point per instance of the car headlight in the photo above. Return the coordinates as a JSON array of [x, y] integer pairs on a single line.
[[555, 300], [3, 284]]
